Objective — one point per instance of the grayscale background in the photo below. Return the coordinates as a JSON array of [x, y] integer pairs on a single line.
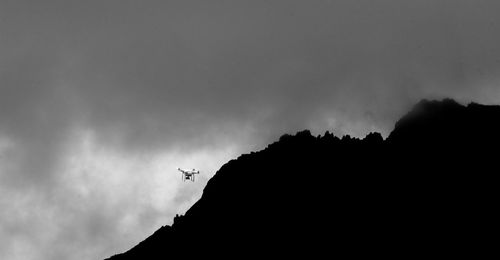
[[100, 101]]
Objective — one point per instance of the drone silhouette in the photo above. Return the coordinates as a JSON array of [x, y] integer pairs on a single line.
[[188, 174]]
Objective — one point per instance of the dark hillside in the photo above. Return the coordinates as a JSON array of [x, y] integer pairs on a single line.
[[429, 189]]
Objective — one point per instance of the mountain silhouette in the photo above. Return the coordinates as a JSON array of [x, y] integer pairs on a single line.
[[429, 189]]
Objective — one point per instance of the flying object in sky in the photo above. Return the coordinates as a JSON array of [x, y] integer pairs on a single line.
[[188, 174]]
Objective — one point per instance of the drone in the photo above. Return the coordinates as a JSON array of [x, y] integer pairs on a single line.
[[188, 174]]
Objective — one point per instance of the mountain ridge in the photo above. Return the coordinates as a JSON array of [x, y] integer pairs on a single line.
[[428, 187]]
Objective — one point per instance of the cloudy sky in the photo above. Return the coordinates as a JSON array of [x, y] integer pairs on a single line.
[[100, 101]]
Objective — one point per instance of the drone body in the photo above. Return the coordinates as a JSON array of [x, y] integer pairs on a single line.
[[188, 174]]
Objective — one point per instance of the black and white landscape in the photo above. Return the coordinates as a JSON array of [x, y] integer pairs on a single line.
[[429, 189], [102, 101]]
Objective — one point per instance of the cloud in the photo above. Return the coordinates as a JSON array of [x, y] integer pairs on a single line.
[[97, 98], [105, 201]]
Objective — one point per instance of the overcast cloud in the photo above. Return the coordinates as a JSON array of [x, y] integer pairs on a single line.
[[100, 101]]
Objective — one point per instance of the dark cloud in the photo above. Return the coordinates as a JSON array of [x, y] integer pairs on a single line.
[[180, 77]]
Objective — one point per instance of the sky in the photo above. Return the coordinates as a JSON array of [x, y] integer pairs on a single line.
[[101, 101]]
